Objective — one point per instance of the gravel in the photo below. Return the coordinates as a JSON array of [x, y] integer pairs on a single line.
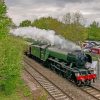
[[64, 84], [35, 88]]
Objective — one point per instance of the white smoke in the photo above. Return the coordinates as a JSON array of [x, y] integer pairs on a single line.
[[43, 35]]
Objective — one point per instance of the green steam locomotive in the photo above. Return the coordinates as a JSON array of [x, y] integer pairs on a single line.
[[73, 65]]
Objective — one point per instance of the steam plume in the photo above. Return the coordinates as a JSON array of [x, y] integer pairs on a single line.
[[43, 35]]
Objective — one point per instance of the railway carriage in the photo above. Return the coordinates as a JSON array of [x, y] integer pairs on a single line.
[[73, 65]]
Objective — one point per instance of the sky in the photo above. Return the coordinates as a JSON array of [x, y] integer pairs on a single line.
[[20, 10]]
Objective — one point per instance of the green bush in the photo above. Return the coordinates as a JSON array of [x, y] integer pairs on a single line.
[[25, 23], [11, 51]]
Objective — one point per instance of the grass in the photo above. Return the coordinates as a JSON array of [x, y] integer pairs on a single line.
[[11, 85], [21, 93], [43, 97], [11, 55]]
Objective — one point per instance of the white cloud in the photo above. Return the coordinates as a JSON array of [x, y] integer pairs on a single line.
[[20, 10]]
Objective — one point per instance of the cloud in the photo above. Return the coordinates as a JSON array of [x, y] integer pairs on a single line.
[[19, 10], [23, 2]]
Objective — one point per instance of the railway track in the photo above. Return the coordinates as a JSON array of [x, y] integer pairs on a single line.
[[92, 91], [55, 92]]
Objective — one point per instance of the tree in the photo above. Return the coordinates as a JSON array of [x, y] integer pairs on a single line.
[[94, 24], [5, 22], [10, 54], [47, 23], [67, 18], [69, 30], [94, 31], [75, 31], [77, 18], [25, 23]]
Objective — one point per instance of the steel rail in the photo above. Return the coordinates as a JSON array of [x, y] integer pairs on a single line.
[[55, 92]]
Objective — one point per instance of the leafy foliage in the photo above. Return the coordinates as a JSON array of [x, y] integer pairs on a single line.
[[47, 23], [10, 63], [72, 28], [25, 23], [20, 94], [94, 31], [75, 32], [10, 54], [2, 8], [72, 31], [4, 20]]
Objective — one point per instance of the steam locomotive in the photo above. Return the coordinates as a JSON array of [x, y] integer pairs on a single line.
[[73, 65]]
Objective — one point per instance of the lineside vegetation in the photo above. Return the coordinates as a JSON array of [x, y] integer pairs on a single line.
[[11, 50], [72, 28]]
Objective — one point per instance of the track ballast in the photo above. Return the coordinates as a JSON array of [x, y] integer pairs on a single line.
[[55, 92]]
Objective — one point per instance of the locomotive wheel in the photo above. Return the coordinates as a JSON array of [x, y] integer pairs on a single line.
[[53, 68], [79, 83], [89, 83], [60, 73], [64, 75], [49, 65]]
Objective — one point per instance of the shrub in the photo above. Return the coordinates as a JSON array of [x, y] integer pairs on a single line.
[[11, 51]]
